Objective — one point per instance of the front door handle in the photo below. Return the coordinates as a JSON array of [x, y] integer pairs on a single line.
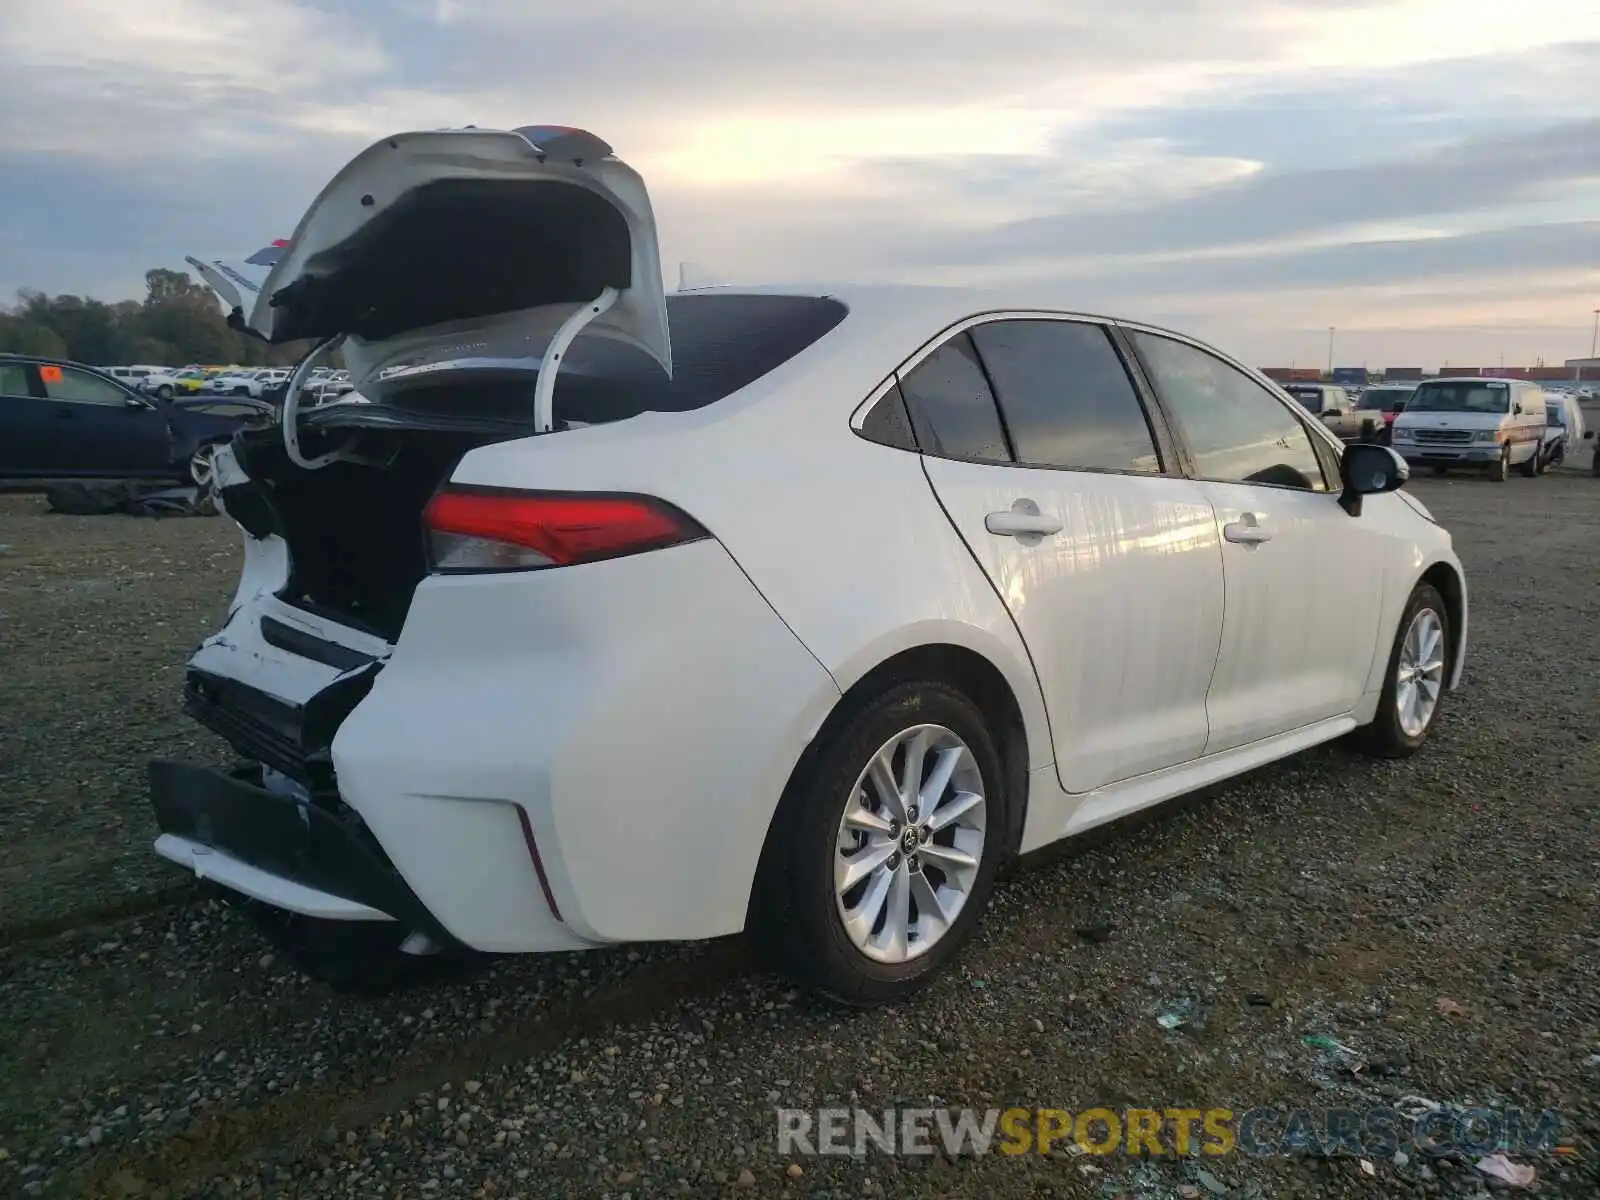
[[1247, 530], [1023, 519]]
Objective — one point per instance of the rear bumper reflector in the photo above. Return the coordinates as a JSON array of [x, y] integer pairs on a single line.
[[538, 863]]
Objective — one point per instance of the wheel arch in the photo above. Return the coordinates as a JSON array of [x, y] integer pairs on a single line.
[[1446, 579], [961, 667]]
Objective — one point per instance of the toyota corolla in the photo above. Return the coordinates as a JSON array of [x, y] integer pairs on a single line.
[[618, 616]]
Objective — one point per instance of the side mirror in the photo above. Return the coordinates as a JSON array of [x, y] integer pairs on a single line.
[[1587, 434], [1367, 469]]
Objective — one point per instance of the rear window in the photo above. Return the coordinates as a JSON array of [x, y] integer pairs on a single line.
[[721, 342], [1383, 399]]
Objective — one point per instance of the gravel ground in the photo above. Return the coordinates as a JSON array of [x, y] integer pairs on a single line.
[[97, 615], [1439, 917]]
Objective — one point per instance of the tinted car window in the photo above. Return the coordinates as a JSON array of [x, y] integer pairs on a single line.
[[1066, 396], [952, 409], [80, 387], [888, 423], [13, 379], [1383, 399], [1313, 398], [1236, 429]]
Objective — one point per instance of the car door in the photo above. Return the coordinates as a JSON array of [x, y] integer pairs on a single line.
[[1304, 579], [1039, 448], [100, 428], [23, 420]]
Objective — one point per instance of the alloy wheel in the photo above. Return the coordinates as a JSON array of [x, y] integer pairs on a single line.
[[1419, 672], [203, 467], [910, 843]]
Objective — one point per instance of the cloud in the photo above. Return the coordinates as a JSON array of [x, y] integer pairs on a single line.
[[1470, 176], [1192, 154]]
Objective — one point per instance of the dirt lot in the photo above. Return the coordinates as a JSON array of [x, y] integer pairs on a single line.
[[1439, 917], [97, 615]]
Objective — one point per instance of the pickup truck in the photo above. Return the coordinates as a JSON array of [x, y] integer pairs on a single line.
[[1332, 404]]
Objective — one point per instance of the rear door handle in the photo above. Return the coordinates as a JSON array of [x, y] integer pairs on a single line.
[[1023, 519], [1247, 530]]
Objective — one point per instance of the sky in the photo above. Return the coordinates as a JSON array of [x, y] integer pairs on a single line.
[[1423, 176]]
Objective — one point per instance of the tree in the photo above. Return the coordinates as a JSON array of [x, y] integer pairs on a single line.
[[18, 335], [179, 321]]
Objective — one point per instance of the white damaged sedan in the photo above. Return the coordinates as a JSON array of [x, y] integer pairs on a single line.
[[615, 616]]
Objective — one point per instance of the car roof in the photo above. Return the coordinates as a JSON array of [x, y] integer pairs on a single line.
[[1478, 379]]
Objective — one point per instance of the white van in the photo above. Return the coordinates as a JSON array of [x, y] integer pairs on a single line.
[[130, 375], [1493, 424], [1564, 428]]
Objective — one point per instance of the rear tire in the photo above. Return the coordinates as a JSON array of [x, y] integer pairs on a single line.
[[837, 846], [1395, 731], [1441, 471]]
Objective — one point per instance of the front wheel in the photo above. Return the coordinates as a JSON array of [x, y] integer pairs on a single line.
[[1502, 465], [1532, 466], [1414, 684], [885, 847], [164, 391]]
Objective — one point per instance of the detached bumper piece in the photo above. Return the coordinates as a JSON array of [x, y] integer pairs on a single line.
[[301, 856], [295, 739]]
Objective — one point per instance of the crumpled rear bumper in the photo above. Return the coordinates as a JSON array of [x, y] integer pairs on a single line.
[[306, 857]]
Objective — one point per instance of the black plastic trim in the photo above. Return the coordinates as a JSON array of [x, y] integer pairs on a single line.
[[310, 843], [293, 738], [308, 645]]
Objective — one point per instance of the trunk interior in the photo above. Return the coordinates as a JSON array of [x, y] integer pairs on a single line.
[[354, 529]]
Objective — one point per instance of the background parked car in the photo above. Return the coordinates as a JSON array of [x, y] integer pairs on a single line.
[[166, 384], [1380, 405], [252, 382], [132, 376], [63, 420], [1332, 404], [1564, 428]]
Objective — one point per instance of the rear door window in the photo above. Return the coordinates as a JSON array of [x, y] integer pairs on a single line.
[[80, 387], [953, 410], [1066, 396]]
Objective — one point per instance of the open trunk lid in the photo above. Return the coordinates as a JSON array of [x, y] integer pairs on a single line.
[[450, 248]]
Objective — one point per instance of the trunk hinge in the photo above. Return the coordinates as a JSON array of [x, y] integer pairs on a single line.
[[291, 409], [544, 390]]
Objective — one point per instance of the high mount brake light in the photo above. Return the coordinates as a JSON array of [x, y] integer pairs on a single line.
[[490, 530]]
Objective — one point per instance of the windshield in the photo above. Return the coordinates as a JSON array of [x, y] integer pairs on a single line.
[[1384, 399], [1463, 397]]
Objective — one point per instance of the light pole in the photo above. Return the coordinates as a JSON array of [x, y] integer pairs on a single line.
[[1594, 338], [1330, 351]]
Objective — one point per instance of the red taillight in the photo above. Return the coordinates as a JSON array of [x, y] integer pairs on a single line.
[[487, 530]]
